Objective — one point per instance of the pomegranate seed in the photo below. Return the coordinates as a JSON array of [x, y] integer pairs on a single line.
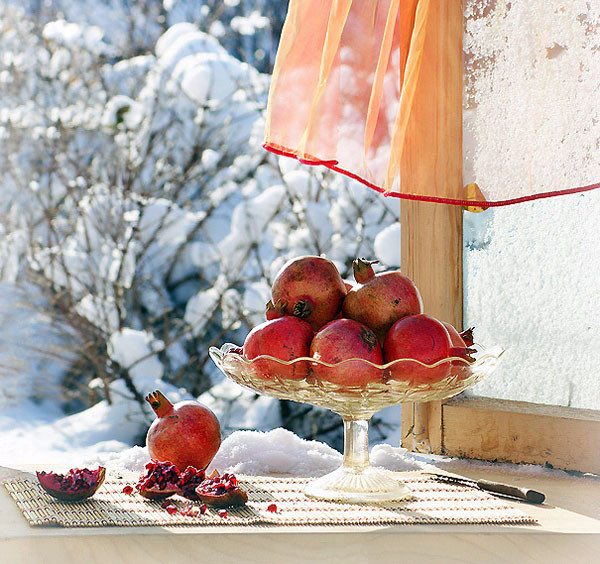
[[127, 490], [193, 512], [171, 509], [202, 509], [222, 513], [272, 508]]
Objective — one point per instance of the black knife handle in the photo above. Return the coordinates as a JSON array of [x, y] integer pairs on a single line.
[[513, 491]]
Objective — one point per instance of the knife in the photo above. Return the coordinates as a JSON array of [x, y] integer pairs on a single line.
[[525, 494]]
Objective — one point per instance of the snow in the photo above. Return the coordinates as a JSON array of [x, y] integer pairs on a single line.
[[387, 245], [276, 451], [135, 350]]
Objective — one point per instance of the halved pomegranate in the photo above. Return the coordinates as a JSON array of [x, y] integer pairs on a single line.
[[75, 485], [160, 481], [221, 491]]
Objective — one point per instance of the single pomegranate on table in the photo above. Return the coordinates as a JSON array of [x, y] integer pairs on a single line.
[[342, 340], [311, 288], [285, 338], [418, 337], [221, 491], [379, 300], [187, 433], [75, 485]]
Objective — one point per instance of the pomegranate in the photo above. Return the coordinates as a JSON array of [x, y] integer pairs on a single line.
[[341, 340], [75, 485], [160, 481], [222, 491], [285, 338], [187, 433], [419, 337], [311, 288], [379, 300]]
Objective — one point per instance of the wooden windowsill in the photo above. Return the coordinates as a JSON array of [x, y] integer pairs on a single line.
[[517, 431], [568, 531]]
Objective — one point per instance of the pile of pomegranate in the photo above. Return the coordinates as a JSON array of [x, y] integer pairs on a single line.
[[379, 318]]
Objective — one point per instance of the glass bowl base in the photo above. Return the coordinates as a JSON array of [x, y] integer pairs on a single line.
[[352, 485]]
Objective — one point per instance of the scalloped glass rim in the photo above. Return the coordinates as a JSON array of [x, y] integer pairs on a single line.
[[480, 357], [352, 400]]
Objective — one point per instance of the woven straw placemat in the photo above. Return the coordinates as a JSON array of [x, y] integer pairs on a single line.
[[431, 502]]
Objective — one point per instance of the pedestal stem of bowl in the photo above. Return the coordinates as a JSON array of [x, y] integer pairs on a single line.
[[356, 444]]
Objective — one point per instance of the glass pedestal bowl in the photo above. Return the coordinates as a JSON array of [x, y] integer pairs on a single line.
[[310, 381]]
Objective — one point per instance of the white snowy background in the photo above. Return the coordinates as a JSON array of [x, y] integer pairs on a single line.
[[142, 222]]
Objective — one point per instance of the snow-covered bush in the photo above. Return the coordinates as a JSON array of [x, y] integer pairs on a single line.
[[248, 29], [138, 197]]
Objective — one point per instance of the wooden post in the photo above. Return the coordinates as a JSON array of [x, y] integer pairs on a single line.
[[432, 233]]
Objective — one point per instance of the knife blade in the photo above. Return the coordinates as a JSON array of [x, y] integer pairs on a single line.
[[525, 494]]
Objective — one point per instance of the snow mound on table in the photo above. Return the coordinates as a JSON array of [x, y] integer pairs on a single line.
[[276, 452], [397, 459]]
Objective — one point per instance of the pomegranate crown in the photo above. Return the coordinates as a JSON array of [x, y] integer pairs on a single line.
[[467, 336], [363, 269], [275, 310], [158, 402]]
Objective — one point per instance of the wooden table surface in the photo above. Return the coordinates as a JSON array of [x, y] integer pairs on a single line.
[[568, 532]]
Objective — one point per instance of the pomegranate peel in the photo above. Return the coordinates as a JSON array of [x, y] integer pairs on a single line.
[[75, 485]]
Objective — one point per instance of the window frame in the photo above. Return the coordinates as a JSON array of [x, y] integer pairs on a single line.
[[431, 250]]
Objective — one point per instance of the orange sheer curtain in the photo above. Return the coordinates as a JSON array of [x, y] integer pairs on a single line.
[[344, 83], [350, 86]]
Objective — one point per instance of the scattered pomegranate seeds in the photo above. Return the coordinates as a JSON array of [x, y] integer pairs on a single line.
[[222, 513], [128, 490], [272, 508], [171, 509]]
